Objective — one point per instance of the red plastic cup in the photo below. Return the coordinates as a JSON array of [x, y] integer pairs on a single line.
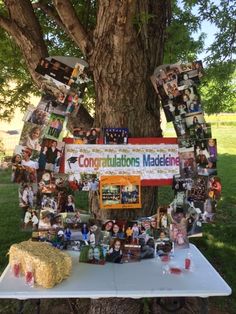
[[175, 270], [187, 263], [29, 277], [16, 270]]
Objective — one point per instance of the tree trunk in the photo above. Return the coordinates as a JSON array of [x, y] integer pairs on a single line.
[[124, 57], [122, 62]]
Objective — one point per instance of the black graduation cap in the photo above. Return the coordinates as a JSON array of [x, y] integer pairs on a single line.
[[71, 160]]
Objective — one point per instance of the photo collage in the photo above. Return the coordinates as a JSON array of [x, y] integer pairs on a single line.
[[48, 197], [197, 188], [44, 193]]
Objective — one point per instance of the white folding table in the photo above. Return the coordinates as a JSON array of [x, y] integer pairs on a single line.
[[147, 278]]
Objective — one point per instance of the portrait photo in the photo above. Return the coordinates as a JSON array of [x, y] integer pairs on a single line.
[[31, 136]]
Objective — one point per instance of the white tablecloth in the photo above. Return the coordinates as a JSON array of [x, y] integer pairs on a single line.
[[147, 278]]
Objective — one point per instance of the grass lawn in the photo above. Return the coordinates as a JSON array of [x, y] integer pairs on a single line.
[[218, 243]]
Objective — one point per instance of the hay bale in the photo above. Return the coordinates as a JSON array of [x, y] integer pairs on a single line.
[[49, 265]]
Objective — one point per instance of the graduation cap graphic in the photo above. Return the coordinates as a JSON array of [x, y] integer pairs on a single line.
[[71, 160]]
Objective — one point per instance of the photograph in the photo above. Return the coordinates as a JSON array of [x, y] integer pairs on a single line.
[[131, 253], [206, 157], [24, 165], [47, 184], [188, 167], [185, 142], [179, 125], [120, 192], [92, 255], [49, 202], [27, 195], [78, 75], [170, 109], [115, 135], [36, 116], [111, 195], [199, 190], [171, 89], [30, 220], [82, 136], [200, 131], [185, 81], [162, 218], [191, 99], [163, 245], [50, 155], [55, 69], [31, 136], [115, 252], [43, 66], [194, 119], [194, 220], [215, 187], [178, 234], [55, 126], [181, 184], [209, 211], [53, 104]]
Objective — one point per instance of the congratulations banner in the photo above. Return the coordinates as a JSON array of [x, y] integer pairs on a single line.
[[150, 162]]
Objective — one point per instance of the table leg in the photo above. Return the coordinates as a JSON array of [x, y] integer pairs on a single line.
[[72, 311], [203, 305], [38, 306], [21, 307], [171, 305]]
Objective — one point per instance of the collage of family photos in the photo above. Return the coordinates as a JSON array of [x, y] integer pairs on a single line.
[[48, 198], [45, 196], [177, 87]]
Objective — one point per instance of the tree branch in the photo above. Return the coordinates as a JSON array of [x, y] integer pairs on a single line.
[[6, 24], [51, 12], [71, 21]]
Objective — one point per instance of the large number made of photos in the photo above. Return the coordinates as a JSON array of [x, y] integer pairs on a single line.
[[54, 169]]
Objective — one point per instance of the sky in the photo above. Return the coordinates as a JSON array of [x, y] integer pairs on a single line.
[[209, 29]]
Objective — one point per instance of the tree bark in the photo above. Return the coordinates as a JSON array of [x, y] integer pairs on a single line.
[[124, 57], [24, 27]]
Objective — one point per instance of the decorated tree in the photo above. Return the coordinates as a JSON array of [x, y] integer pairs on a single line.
[[122, 49], [122, 41]]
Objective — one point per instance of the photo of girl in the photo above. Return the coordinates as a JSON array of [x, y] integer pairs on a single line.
[[31, 136], [70, 204], [212, 149], [114, 254], [92, 255], [194, 119], [93, 136]]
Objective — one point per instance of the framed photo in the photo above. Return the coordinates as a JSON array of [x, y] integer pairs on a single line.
[[116, 135], [120, 192], [131, 253], [55, 126]]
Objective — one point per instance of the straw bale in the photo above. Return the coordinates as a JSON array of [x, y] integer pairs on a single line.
[[49, 265]]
